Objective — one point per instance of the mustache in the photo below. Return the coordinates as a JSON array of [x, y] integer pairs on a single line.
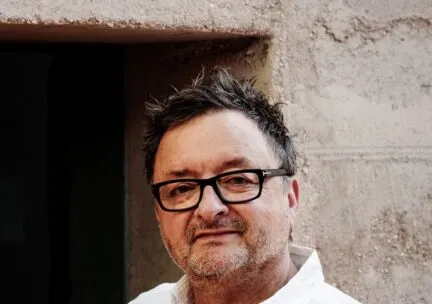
[[222, 223]]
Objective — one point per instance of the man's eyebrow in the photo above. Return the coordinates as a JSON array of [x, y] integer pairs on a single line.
[[181, 173], [239, 162]]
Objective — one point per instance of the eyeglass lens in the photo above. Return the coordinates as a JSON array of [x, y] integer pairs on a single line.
[[236, 187]]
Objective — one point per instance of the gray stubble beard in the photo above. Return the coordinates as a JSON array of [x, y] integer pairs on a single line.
[[249, 258], [207, 265]]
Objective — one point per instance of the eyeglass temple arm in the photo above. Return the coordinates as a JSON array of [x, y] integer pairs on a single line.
[[276, 172]]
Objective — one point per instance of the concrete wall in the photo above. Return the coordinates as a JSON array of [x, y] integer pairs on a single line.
[[357, 79], [358, 76]]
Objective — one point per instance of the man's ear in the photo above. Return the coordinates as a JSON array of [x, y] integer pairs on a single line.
[[294, 196]]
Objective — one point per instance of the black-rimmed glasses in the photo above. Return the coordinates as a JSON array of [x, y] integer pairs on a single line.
[[234, 187]]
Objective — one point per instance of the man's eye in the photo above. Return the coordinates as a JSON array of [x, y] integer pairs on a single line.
[[182, 189], [238, 180]]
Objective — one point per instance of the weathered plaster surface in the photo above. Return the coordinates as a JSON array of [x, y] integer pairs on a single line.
[[228, 16], [357, 80], [357, 76]]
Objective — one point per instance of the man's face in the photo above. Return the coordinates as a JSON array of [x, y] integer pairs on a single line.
[[216, 239]]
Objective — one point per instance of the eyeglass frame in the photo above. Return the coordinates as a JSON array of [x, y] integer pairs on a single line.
[[212, 181]]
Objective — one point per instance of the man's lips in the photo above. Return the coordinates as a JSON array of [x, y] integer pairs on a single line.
[[214, 233]]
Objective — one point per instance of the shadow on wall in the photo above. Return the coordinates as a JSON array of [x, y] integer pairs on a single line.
[[62, 202]]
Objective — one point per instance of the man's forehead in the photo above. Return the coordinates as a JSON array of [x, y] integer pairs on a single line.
[[225, 127], [212, 142]]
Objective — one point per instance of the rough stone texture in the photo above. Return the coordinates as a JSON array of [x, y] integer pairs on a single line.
[[247, 17], [357, 80]]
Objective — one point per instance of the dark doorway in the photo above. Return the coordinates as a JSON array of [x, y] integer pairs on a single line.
[[62, 218]]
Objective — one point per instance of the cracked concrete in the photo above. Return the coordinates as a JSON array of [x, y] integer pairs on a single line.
[[257, 17], [358, 81], [372, 31], [356, 77]]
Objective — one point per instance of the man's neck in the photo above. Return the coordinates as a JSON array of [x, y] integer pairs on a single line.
[[245, 286]]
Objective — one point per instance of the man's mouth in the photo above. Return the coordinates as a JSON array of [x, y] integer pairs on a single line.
[[214, 233]]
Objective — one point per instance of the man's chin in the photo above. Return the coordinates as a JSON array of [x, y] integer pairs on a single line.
[[217, 261]]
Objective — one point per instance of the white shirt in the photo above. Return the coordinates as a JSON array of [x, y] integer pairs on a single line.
[[306, 287]]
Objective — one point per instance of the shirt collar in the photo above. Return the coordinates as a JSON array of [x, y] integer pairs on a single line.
[[183, 291], [309, 275]]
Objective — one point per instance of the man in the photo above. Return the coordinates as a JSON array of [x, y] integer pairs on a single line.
[[221, 165]]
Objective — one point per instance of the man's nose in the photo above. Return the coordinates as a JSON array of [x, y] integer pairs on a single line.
[[211, 206]]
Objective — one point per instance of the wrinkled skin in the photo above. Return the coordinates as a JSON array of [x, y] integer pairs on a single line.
[[208, 145]]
